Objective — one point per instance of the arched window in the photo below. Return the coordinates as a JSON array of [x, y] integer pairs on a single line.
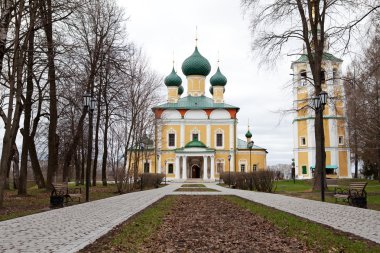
[[303, 78]]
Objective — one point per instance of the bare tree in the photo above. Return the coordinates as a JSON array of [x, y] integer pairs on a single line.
[[277, 24]]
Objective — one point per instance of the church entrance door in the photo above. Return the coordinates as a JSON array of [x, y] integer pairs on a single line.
[[195, 171]]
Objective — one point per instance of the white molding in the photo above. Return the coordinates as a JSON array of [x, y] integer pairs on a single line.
[[216, 132], [171, 131]]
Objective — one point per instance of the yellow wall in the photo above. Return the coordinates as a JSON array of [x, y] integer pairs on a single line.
[[226, 135], [195, 84], [327, 132], [202, 133], [256, 159], [165, 131], [343, 170], [303, 161], [218, 93], [328, 158], [302, 132], [302, 95]]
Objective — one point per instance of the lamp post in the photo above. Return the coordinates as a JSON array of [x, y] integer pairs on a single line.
[[250, 146], [89, 104], [293, 171], [319, 105], [229, 170]]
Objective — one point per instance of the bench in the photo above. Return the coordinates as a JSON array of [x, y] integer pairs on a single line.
[[355, 195], [63, 192]]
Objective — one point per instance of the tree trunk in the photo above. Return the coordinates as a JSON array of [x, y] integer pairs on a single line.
[[46, 10], [95, 166], [37, 172], [16, 169], [105, 148], [77, 167]]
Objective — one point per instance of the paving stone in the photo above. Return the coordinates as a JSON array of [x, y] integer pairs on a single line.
[[71, 228]]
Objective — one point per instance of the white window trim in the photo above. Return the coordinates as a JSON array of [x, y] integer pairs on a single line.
[[219, 131], [171, 131], [223, 165], [303, 145], [150, 165], [245, 165], [195, 131], [167, 166], [341, 137]]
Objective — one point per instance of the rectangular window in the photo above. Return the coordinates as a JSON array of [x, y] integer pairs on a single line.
[[341, 140], [254, 167], [195, 137], [242, 167], [171, 140], [219, 140], [170, 168], [304, 169], [146, 167], [303, 141]]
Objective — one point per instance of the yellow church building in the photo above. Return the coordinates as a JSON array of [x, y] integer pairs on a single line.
[[335, 127], [195, 134]]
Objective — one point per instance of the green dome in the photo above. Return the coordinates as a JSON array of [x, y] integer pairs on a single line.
[[173, 79], [180, 90], [218, 79], [195, 144], [248, 134], [196, 64]]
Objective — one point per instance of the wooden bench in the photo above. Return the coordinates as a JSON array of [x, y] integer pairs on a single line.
[[355, 194], [68, 194]]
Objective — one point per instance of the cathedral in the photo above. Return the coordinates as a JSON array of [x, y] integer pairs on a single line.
[[334, 119], [195, 134]]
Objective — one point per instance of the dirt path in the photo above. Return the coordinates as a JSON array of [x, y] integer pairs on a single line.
[[212, 224]]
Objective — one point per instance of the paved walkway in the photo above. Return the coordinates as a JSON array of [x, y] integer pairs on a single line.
[[72, 228]]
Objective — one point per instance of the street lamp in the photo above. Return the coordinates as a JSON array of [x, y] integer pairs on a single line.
[[319, 105], [293, 171], [229, 169], [250, 146], [89, 103]]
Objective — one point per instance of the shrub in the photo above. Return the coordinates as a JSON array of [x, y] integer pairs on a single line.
[[262, 181], [150, 180]]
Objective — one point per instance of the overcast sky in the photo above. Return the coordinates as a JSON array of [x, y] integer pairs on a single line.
[[161, 27]]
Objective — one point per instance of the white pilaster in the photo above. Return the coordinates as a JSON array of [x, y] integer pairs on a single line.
[[184, 169], [204, 167], [182, 137], [176, 167], [212, 168], [208, 135], [231, 135]]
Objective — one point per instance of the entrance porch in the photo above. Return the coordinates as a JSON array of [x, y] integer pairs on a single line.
[[199, 167]]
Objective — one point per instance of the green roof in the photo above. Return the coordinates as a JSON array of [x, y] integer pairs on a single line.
[[173, 79], [244, 145], [326, 57], [191, 102], [180, 90], [195, 144], [218, 79], [196, 64]]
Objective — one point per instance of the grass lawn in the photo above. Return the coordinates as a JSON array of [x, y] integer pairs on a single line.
[[315, 235], [304, 189], [128, 236], [193, 185], [193, 189], [38, 200]]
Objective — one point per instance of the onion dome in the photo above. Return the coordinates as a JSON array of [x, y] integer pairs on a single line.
[[218, 79], [248, 134], [180, 90], [196, 64], [173, 79]]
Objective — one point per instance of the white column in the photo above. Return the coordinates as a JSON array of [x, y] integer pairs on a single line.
[[184, 170], [212, 168], [208, 133], [231, 135], [204, 167], [182, 134], [176, 167]]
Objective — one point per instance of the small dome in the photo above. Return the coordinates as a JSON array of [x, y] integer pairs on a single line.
[[173, 79], [180, 90], [218, 79], [196, 64], [248, 134]]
